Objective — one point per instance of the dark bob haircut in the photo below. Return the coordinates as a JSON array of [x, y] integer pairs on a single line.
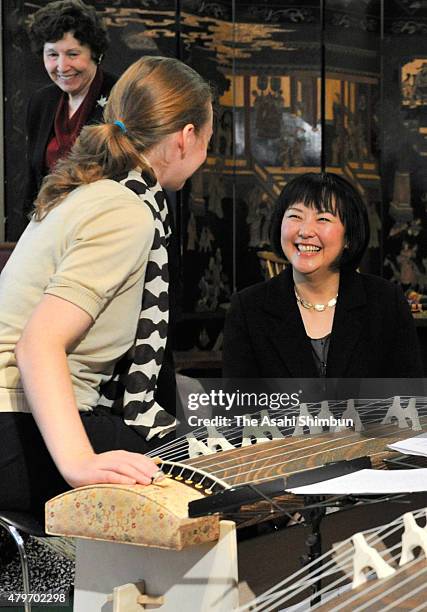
[[332, 193], [51, 22]]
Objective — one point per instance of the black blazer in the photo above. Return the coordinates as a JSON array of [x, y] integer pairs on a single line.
[[40, 118], [373, 334]]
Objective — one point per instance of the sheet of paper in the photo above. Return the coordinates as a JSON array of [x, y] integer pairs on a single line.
[[374, 482], [412, 446]]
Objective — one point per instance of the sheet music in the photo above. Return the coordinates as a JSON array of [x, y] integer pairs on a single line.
[[412, 446], [369, 482]]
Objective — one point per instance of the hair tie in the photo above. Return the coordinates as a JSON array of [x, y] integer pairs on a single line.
[[121, 126]]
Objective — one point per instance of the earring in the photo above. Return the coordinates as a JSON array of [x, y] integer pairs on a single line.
[[100, 58]]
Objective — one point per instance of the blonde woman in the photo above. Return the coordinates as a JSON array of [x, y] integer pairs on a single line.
[[83, 299]]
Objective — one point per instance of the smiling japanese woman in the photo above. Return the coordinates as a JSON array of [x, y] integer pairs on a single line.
[[321, 317]]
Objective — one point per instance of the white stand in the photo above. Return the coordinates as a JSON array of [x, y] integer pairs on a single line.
[[402, 415], [412, 537], [366, 557], [214, 442], [191, 580], [257, 433], [350, 413]]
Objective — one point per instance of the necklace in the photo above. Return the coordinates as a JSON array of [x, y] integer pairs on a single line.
[[316, 307]]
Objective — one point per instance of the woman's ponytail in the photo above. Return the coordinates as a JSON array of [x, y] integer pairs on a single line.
[[155, 97]]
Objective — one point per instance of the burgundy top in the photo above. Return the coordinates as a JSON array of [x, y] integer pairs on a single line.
[[65, 128]]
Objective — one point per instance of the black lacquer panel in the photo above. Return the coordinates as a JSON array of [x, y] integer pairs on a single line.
[[207, 44], [352, 104], [277, 116], [269, 71], [404, 151]]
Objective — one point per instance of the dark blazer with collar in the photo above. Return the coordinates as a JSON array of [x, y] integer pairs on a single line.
[[40, 118], [373, 334]]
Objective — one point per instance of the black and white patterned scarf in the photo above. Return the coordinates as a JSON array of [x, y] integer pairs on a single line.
[[131, 389]]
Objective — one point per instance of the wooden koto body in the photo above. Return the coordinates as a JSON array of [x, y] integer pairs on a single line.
[[290, 455], [135, 541], [375, 570], [405, 590], [156, 515]]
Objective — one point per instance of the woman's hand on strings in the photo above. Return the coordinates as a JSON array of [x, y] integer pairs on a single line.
[[112, 467]]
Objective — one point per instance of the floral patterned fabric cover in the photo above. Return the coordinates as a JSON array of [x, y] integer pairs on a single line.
[[154, 515]]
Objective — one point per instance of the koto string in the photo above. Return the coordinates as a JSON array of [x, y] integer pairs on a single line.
[[239, 473], [338, 562], [178, 449], [277, 595], [362, 410], [261, 449], [169, 450], [286, 442], [373, 536], [386, 593], [285, 455]]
